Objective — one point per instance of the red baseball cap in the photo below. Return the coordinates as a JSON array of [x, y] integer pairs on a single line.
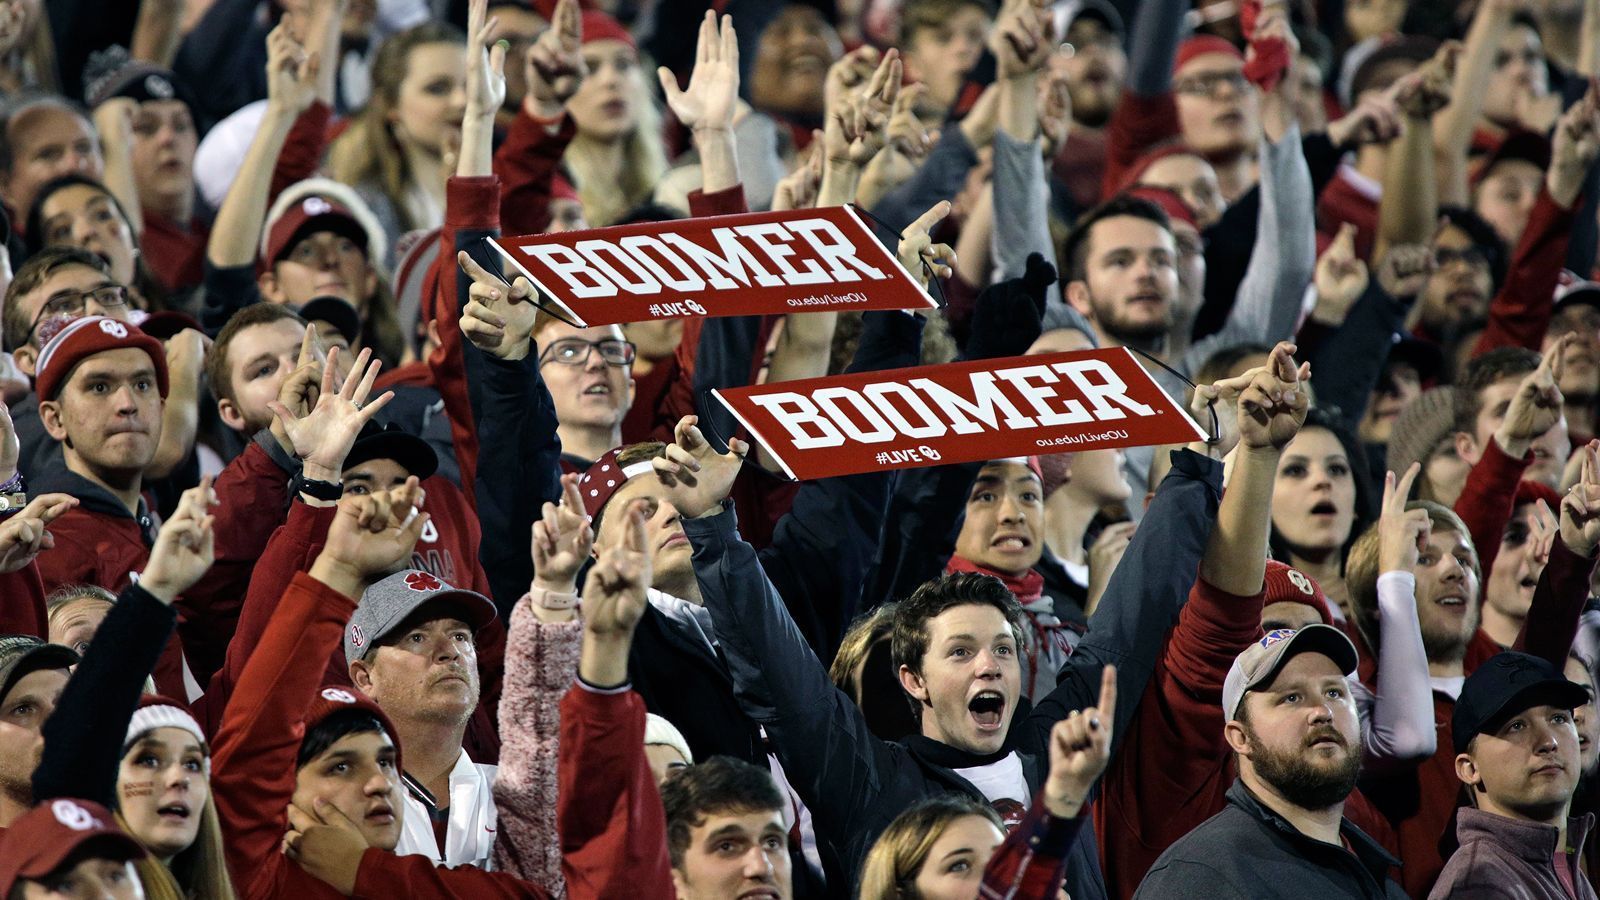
[[52, 833], [309, 216], [86, 336]]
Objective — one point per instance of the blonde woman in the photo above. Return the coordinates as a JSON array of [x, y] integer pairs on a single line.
[[617, 155], [397, 150]]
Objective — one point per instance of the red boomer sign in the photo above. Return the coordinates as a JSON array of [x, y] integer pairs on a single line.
[[806, 260], [961, 412]]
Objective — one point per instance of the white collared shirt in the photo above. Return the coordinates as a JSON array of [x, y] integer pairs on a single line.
[[469, 838]]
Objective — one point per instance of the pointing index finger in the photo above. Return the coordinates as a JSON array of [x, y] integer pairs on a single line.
[[1108, 695]]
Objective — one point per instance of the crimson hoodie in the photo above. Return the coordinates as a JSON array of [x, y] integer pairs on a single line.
[[612, 825]]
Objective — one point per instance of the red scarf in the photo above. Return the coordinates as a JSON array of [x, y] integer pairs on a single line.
[[1026, 587]]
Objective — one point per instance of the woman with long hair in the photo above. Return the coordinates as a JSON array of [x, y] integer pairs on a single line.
[[1322, 500], [931, 850], [617, 155], [397, 149], [164, 802]]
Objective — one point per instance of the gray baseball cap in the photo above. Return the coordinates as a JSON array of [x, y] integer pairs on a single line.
[[1261, 662], [389, 602], [22, 655]]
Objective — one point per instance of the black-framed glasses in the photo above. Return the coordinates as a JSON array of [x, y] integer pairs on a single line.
[[1472, 256], [73, 303], [1209, 84], [575, 352]]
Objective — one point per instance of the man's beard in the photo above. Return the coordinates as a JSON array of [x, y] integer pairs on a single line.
[[18, 789], [1299, 781], [1143, 335], [1447, 645]]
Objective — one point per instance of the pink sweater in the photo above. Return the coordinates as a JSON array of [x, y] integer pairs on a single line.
[[541, 664]]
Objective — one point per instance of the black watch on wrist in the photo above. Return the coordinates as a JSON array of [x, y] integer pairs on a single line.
[[330, 491]]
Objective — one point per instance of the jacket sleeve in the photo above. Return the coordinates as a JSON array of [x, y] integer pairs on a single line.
[[383, 874], [253, 756], [1031, 863], [1488, 499], [303, 148], [83, 744], [1141, 602], [1349, 361], [1558, 602], [471, 212], [1520, 313], [613, 829], [726, 202], [1020, 188], [1139, 123], [541, 664], [1214, 627], [526, 163], [940, 176], [22, 603], [829, 754]]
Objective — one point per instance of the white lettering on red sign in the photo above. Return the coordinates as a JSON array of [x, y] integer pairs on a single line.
[[765, 254], [885, 411]]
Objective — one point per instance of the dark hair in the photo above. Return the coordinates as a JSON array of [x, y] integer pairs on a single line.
[[909, 644], [154, 294], [1482, 235], [336, 725], [1483, 371], [15, 323], [1366, 507], [1219, 364], [720, 784], [1075, 249], [217, 366]]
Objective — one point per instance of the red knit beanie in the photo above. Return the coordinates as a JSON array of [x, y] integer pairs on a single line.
[[1202, 44], [1153, 156], [86, 336], [1286, 584], [597, 26], [337, 698]]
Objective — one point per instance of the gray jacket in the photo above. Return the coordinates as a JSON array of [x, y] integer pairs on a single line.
[[1501, 857]]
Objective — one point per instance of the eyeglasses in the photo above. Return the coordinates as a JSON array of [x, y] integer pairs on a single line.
[[1472, 256], [575, 352], [1209, 84], [73, 303]]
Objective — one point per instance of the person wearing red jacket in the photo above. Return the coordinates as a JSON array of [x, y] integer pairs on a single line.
[[330, 758]]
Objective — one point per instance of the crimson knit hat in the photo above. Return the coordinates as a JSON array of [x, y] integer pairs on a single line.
[[1286, 584], [1171, 203], [1202, 44], [83, 338], [1153, 156], [605, 478], [337, 698], [597, 26], [156, 711]]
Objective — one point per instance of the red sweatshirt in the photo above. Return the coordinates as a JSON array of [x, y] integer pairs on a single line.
[[1421, 803], [1520, 312], [1489, 498], [1344, 201], [22, 603], [527, 162], [174, 252], [1138, 124]]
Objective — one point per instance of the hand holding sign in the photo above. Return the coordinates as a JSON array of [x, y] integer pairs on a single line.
[[917, 251], [498, 319], [697, 477], [1273, 407]]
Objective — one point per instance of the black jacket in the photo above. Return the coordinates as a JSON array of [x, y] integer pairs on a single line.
[[856, 784], [1249, 852]]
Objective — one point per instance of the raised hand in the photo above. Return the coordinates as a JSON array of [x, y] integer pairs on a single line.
[[907, 136], [1403, 272], [326, 844], [371, 534], [1021, 39], [713, 92], [486, 61], [299, 392], [798, 189], [553, 67], [1080, 749], [562, 539], [1104, 555], [850, 73], [291, 71], [1575, 147], [1543, 530], [498, 319], [1580, 507], [697, 477], [855, 128], [918, 253], [324, 437], [1374, 120], [1055, 110], [25, 533], [1536, 406], [1341, 278], [1427, 90], [1402, 533], [614, 601], [185, 546], [1273, 407]]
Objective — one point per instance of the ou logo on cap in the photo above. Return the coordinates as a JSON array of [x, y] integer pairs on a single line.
[[158, 87], [337, 696], [114, 328], [1299, 580], [73, 816], [316, 206]]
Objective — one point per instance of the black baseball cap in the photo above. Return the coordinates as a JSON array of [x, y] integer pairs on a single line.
[[1507, 684], [336, 312], [393, 442], [22, 655], [1424, 356]]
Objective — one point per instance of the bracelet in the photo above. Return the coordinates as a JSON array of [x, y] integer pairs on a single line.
[[548, 599], [330, 491], [14, 485]]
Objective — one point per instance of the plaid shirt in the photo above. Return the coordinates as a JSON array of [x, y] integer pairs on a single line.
[[1032, 862]]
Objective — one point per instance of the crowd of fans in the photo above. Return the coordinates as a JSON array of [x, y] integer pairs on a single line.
[[332, 563]]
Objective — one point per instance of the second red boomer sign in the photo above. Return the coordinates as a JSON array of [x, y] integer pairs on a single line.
[[805, 260], [960, 412]]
